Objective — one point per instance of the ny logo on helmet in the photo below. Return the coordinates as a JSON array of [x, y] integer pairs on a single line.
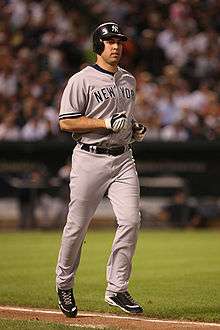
[[104, 31], [114, 28]]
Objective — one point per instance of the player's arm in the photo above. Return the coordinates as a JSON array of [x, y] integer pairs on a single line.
[[82, 124]]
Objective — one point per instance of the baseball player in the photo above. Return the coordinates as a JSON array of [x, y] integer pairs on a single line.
[[97, 106]]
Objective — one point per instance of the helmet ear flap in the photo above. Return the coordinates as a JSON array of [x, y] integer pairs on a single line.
[[98, 45]]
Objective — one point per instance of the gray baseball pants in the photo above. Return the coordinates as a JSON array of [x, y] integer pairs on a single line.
[[92, 176]]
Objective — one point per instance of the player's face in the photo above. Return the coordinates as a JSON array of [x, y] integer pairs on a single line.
[[112, 51]]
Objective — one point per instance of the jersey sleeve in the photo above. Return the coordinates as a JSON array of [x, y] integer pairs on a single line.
[[74, 99]]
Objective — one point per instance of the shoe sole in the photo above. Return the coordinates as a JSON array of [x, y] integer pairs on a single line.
[[67, 313], [112, 303]]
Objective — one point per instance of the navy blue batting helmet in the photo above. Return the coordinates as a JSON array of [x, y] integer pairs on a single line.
[[104, 32]]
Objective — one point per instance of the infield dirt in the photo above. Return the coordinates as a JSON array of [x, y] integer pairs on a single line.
[[101, 321]]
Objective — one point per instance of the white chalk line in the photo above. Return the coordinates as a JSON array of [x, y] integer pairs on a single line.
[[102, 327], [46, 311]]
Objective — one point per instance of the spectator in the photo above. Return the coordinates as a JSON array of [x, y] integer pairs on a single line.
[[36, 129], [152, 56], [8, 129], [29, 187], [166, 106], [175, 132], [180, 213]]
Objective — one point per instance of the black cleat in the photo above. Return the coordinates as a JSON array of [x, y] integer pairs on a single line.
[[67, 302], [125, 302]]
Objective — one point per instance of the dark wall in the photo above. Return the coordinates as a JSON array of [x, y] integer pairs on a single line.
[[197, 162]]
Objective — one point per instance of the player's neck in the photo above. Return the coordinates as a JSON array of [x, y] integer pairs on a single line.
[[106, 66]]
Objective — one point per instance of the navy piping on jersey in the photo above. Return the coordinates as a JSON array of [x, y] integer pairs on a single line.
[[97, 67], [70, 115]]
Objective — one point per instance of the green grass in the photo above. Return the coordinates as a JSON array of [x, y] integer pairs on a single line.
[[176, 275], [39, 325]]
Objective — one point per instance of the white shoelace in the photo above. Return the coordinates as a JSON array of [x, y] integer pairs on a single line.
[[67, 298], [129, 297]]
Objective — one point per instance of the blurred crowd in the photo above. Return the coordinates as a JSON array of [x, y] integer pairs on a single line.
[[173, 51]]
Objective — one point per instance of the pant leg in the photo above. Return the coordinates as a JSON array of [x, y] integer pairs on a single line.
[[72, 240], [87, 186], [124, 195]]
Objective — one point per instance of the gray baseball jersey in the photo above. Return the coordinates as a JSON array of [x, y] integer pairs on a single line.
[[96, 93]]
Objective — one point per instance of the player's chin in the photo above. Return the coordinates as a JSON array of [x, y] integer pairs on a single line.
[[114, 59]]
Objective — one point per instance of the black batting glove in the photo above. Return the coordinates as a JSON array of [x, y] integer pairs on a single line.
[[139, 132]]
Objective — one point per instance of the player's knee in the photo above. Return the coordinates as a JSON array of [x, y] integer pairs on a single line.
[[131, 220]]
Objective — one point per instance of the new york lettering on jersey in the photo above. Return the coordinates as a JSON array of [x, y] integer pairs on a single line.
[[104, 93], [110, 92]]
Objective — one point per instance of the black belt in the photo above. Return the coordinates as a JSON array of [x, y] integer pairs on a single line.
[[114, 151]]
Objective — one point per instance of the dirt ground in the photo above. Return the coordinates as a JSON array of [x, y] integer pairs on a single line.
[[101, 321]]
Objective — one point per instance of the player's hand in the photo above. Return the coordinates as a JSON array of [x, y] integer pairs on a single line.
[[139, 132], [76, 136], [117, 122]]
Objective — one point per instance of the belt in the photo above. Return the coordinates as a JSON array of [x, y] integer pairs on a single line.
[[114, 151]]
